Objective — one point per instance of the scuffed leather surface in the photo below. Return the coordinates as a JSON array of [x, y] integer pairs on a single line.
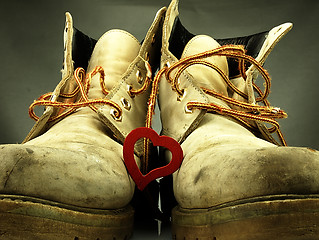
[[223, 161], [136, 116], [228, 163], [175, 123], [95, 178], [76, 161]]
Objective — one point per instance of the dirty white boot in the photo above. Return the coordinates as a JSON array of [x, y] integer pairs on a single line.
[[68, 180], [235, 182]]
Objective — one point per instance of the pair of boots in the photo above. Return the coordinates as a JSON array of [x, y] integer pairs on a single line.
[[68, 180]]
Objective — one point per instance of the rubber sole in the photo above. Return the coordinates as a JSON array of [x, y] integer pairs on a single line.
[[285, 217], [30, 218]]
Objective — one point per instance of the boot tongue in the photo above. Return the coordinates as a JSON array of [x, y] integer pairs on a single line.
[[205, 76], [114, 52]]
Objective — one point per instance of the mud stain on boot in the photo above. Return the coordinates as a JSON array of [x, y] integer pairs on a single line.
[[198, 176]]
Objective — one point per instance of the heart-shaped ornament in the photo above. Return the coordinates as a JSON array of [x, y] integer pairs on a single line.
[[173, 146]]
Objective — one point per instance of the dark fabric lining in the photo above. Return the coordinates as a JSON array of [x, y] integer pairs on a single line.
[[82, 48], [252, 43]]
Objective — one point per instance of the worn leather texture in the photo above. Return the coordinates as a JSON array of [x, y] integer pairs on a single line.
[[77, 160], [175, 123], [136, 116], [223, 161]]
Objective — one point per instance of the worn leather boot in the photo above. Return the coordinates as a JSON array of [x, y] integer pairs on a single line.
[[68, 180], [235, 181]]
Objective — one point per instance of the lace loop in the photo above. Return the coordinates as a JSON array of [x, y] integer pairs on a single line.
[[83, 82], [249, 111]]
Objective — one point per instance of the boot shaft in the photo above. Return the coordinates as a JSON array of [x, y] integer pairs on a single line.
[[127, 66], [204, 82]]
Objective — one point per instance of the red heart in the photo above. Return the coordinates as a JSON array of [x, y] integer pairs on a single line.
[[141, 180]]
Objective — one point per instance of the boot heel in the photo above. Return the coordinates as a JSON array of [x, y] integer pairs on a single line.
[[292, 219]]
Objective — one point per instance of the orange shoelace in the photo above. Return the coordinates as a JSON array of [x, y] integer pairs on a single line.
[[247, 112], [83, 85]]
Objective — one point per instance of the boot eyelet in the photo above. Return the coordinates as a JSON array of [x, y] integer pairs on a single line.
[[53, 98], [129, 88], [114, 114], [167, 64], [187, 110], [139, 77], [180, 97], [126, 104]]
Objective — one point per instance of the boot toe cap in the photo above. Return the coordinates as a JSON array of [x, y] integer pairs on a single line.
[[216, 177], [70, 177]]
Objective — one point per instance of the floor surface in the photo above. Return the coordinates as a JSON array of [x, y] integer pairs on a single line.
[[150, 232]]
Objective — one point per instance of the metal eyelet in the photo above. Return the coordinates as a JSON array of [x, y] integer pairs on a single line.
[[139, 77], [114, 114], [187, 110], [180, 97], [129, 88], [126, 104], [167, 64], [53, 98]]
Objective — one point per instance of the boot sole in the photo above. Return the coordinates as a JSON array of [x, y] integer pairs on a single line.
[[285, 217], [31, 218]]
